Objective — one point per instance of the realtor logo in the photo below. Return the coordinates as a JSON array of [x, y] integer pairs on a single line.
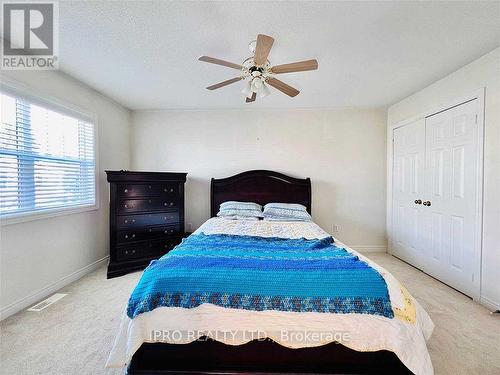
[[30, 35]]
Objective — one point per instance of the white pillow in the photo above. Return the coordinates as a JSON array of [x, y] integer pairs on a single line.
[[286, 212], [240, 209]]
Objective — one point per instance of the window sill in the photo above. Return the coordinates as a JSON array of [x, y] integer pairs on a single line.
[[30, 216]]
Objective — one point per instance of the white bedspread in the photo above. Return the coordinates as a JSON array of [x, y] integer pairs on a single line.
[[360, 332]]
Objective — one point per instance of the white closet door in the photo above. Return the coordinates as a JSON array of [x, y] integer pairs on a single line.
[[408, 191], [451, 179]]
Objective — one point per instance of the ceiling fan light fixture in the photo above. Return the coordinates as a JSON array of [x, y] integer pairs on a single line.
[[247, 89], [257, 85], [258, 72], [264, 92]]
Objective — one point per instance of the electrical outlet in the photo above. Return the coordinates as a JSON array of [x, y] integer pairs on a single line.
[[336, 228]]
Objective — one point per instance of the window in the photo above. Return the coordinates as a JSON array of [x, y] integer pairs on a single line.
[[47, 159]]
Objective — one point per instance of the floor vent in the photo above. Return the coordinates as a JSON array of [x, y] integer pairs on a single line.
[[47, 302]]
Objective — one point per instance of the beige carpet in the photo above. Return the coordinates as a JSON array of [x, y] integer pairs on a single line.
[[74, 336]]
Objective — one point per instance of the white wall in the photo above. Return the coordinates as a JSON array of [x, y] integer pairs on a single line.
[[342, 151], [40, 256], [484, 72]]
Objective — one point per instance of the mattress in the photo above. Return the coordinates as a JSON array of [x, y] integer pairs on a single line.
[[405, 333]]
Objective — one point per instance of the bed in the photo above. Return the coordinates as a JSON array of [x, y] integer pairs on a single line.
[[191, 334]]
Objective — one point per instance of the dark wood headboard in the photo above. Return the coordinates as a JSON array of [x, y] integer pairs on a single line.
[[260, 186]]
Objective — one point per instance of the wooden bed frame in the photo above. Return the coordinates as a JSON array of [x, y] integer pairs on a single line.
[[261, 187], [213, 357]]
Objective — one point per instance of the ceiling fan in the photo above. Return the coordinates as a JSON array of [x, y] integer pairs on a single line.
[[260, 72]]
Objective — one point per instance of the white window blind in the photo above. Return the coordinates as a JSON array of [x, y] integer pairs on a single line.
[[47, 159]]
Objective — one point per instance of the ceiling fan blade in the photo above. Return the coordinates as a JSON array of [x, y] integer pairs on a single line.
[[282, 86], [252, 99], [262, 49], [213, 60], [299, 66], [224, 83]]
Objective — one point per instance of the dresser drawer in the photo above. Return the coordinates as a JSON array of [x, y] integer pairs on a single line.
[[146, 249], [141, 234], [147, 204], [147, 190], [135, 221]]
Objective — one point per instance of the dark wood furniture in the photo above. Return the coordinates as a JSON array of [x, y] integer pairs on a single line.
[[212, 357], [261, 187], [207, 356], [146, 217]]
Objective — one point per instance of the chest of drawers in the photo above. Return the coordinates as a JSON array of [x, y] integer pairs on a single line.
[[146, 218]]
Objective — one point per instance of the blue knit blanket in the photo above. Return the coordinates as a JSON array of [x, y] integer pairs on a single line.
[[258, 273]]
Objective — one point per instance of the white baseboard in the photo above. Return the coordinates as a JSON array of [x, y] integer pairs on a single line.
[[369, 248], [489, 304], [49, 289]]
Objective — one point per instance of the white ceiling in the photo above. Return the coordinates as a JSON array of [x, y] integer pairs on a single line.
[[144, 54]]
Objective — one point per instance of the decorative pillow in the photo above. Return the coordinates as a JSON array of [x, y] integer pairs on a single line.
[[240, 209], [286, 212]]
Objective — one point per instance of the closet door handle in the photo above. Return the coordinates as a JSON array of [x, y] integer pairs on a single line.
[[427, 203], [418, 201]]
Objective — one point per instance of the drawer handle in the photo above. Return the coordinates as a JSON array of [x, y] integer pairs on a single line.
[[149, 200], [126, 251], [170, 191], [133, 236], [168, 204], [133, 251], [126, 221], [149, 186], [125, 191]]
